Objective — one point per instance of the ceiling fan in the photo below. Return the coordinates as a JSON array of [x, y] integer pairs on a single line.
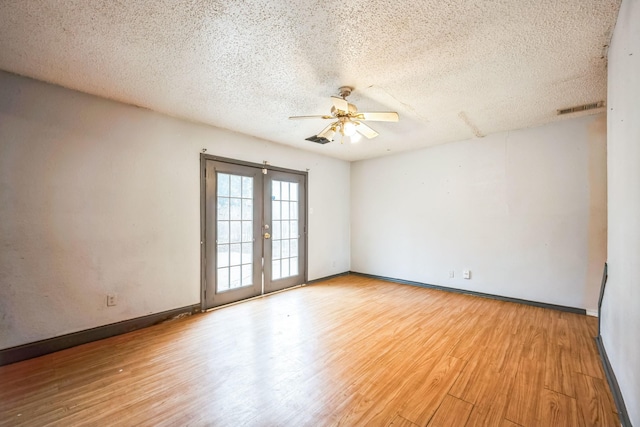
[[348, 121]]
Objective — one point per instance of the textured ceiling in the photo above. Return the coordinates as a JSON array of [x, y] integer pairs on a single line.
[[452, 69]]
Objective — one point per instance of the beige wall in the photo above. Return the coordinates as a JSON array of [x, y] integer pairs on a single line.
[[621, 305], [525, 211], [98, 197]]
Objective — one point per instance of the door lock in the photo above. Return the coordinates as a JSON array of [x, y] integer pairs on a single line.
[[267, 235]]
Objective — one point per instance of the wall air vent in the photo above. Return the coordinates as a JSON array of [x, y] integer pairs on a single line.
[[579, 108]]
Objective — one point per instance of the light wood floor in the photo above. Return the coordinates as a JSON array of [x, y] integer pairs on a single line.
[[349, 351]]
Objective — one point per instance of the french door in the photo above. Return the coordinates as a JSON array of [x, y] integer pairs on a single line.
[[254, 230]]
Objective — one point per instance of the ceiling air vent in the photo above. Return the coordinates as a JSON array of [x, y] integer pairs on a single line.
[[579, 108], [318, 139]]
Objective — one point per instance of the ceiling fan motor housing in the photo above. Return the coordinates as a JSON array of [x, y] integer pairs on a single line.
[[345, 91]]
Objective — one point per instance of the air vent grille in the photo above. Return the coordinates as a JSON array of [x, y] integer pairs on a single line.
[[579, 108], [318, 139]]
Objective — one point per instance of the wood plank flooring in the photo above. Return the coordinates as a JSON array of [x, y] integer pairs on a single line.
[[349, 351]]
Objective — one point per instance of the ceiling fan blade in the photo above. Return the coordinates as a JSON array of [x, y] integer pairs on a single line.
[[340, 104], [382, 116], [366, 130], [311, 117], [328, 132], [325, 136]]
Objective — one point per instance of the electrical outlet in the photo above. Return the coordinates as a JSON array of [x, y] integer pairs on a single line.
[[452, 274], [466, 274], [112, 299]]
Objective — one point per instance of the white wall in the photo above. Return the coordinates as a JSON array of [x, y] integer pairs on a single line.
[[621, 305], [99, 197], [525, 211]]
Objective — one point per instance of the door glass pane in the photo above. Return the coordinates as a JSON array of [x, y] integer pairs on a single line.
[[234, 277], [247, 253], [275, 210], [276, 230], [223, 232], [234, 231], [235, 187], [247, 187], [223, 185], [275, 249], [284, 244], [223, 255], [275, 269], [234, 253], [247, 231], [223, 208], [223, 279], [247, 274], [247, 209], [235, 211]]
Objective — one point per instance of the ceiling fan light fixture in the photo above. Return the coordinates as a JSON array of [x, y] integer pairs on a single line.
[[348, 121], [348, 128]]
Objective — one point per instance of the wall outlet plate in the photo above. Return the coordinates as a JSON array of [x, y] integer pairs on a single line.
[[112, 299], [466, 274], [452, 274]]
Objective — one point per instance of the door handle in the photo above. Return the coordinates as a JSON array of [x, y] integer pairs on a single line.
[[267, 235]]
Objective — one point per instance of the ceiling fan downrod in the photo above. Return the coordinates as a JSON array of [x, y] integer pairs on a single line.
[[345, 91]]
